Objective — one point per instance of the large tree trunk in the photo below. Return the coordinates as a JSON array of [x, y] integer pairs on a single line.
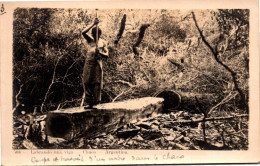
[[174, 100], [74, 122]]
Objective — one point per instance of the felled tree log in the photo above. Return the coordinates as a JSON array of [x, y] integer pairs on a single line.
[[206, 101], [75, 122], [174, 100]]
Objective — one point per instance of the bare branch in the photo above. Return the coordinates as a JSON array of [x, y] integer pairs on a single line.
[[202, 36], [215, 54], [66, 74], [123, 82], [121, 94], [16, 98], [225, 100], [51, 84]]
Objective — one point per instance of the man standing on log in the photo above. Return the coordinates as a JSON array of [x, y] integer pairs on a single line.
[[93, 72]]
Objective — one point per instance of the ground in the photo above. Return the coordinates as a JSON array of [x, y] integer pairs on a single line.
[[165, 131]]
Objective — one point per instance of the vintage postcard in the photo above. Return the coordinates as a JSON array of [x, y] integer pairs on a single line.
[[129, 82]]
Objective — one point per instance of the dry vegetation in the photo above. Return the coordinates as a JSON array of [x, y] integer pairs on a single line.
[[199, 51]]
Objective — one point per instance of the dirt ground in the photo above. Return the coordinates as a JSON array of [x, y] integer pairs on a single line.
[[165, 131]]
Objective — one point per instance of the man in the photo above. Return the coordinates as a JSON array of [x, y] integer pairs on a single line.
[[93, 72]]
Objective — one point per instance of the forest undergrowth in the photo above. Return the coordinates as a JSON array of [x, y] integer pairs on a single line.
[[199, 52]]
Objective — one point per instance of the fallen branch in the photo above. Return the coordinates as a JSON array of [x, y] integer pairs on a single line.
[[211, 119], [225, 100], [180, 146], [193, 78], [180, 67], [238, 132]]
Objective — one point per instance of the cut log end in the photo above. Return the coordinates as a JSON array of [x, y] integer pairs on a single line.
[[172, 99], [59, 125]]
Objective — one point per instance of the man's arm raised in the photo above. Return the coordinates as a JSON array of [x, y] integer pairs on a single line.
[[85, 31]]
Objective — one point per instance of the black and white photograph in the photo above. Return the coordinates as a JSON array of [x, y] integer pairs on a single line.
[[131, 79]]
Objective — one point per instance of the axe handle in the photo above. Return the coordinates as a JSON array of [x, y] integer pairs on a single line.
[[96, 31]]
